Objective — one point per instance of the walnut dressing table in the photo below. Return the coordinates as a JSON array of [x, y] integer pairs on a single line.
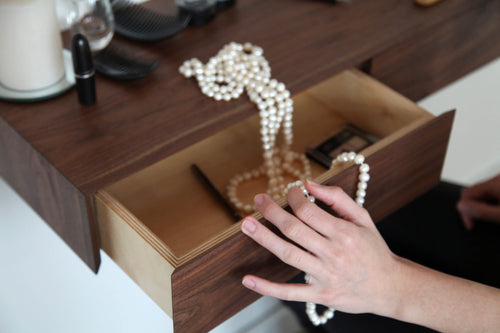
[[116, 176]]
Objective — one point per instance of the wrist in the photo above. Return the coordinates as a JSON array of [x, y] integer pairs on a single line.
[[418, 293], [426, 297], [397, 299]]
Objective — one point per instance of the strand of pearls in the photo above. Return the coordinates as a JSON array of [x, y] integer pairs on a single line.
[[363, 179], [313, 315], [363, 176], [236, 68]]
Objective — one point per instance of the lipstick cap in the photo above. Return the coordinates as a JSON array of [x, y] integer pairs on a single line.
[[84, 69], [82, 58]]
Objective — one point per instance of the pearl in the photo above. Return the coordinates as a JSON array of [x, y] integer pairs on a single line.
[[364, 177], [314, 317], [343, 158], [330, 314], [361, 193], [364, 168]]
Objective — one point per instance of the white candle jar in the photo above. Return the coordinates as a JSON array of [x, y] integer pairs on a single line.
[[31, 54]]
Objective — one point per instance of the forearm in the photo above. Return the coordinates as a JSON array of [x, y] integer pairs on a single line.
[[443, 302]]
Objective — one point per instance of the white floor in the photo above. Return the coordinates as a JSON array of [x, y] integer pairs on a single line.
[[44, 287]]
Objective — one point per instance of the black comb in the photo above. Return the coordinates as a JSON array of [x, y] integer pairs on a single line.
[[143, 24], [116, 63]]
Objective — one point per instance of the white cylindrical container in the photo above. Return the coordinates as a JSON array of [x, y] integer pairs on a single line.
[[31, 55]]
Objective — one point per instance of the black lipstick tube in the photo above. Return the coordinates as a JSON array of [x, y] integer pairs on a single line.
[[84, 69]]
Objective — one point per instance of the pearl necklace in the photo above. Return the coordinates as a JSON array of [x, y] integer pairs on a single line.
[[236, 68], [363, 179]]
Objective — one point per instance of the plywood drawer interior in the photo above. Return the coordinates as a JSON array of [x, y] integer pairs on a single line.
[[162, 217]]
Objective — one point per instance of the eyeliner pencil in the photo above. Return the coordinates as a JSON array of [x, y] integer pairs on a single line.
[[208, 184]]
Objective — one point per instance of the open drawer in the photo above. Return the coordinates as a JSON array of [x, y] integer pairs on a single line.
[[174, 239]]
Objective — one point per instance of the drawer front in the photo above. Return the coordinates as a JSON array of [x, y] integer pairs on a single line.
[[207, 290], [435, 58]]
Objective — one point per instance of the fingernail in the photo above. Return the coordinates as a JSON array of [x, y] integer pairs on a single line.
[[310, 182], [248, 226], [248, 282], [258, 199]]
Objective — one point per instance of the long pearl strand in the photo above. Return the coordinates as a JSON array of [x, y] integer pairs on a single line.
[[236, 68], [363, 179]]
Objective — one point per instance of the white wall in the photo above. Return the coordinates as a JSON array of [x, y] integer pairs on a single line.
[[474, 150], [44, 287]]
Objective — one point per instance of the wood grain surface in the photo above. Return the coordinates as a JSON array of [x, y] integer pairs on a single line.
[[136, 123], [441, 56], [69, 211]]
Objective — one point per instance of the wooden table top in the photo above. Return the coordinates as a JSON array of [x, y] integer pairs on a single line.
[[136, 123]]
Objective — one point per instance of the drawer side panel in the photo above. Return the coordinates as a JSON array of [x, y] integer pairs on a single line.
[[135, 251], [65, 209]]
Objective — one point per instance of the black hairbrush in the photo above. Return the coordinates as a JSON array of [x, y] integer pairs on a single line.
[[117, 63], [143, 24]]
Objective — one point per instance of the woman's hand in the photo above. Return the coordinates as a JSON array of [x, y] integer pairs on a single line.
[[350, 266], [480, 202]]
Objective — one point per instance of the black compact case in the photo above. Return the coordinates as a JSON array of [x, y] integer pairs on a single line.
[[345, 139]]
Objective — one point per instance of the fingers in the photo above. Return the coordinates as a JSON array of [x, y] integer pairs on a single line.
[[289, 225], [476, 192], [487, 189], [340, 202], [284, 291], [468, 222], [477, 210], [285, 251], [481, 201], [311, 214]]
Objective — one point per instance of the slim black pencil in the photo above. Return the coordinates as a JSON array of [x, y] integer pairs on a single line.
[[208, 184]]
